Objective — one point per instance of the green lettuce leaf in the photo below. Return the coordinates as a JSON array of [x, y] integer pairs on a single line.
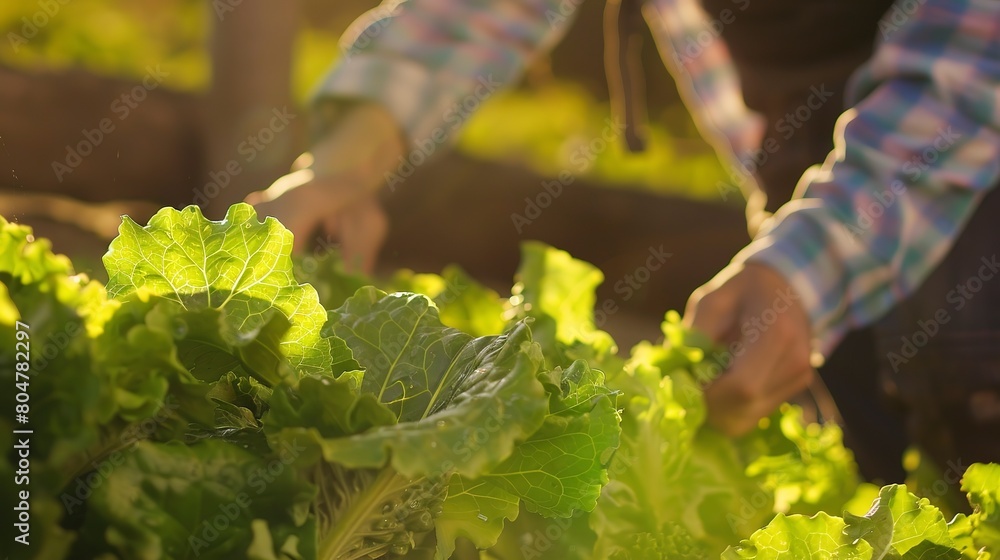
[[901, 525], [462, 302], [430, 401], [239, 266], [561, 468], [807, 467], [174, 501], [982, 484], [461, 403], [558, 292], [476, 510], [557, 472], [796, 537], [71, 398]]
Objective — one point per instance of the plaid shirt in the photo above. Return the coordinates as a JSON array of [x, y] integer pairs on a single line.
[[912, 159]]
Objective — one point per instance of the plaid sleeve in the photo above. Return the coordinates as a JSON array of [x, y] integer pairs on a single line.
[[911, 162], [431, 63], [691, 46]]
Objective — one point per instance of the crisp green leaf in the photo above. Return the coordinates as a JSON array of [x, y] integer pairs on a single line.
[[462, 403], [982, 484], [324, 407], [900, 525], [558, 292], [806, 466], [475, 510], [239, 266], [796, 537], [960, 530], [562, 466], [71, 397]]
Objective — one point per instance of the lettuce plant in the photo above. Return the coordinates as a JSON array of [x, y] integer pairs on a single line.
[[208, 406], [218, 399]]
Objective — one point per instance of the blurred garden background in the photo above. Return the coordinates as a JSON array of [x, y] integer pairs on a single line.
[[65, 63]]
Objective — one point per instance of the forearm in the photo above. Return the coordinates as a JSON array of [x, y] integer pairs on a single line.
[[912, 160], [431, 63], [360, 142]]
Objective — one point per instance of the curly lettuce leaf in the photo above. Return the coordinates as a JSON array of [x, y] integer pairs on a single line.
[[901, 525], [557, 472], [562, 467], [558, 292], [795, 537], [239, 266], [461, 403], [982, 484], [669, 470], [430, 401], [72, 398], [806, 466], [652, 482], [320, 407]]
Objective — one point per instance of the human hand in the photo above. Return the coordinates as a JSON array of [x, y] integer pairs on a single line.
[[336, 193], [754, 312]]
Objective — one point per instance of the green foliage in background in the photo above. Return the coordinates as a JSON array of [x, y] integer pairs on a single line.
[[553, 129]]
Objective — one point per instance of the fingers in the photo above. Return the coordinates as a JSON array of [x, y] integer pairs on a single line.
[[303, 203], [767, 345], [284, 185], [767, 373]]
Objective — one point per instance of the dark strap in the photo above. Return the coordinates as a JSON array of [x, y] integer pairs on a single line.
[[622, 51]]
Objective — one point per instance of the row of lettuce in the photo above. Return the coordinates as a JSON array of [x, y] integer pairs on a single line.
[[206, 404]]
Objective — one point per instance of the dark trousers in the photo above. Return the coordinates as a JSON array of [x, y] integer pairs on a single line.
[[939, 351]]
